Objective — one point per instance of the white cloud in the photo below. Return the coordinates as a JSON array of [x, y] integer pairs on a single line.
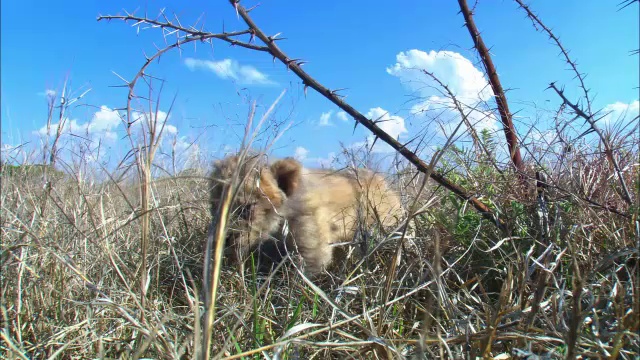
[[464, 80], [327, 162], [68, 126], [187, 150], [169, 132], [300, 153], [391, 124], [170, 129], [458, 73], [544, 137], [10, 152], [104, 120], [8, 147], [450, 119], [178, 152], [342, 116], [48, 93], [324, 118], [619, 112], [110, 135], [481, 120], [228, 150], [141, 120], [232, 70]]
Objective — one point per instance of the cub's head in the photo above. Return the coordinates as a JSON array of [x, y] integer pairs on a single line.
[[256, 210]]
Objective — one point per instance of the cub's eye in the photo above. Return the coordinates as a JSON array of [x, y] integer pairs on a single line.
[[245, 211]]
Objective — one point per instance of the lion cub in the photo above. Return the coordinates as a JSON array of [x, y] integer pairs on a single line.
[[321, 207]]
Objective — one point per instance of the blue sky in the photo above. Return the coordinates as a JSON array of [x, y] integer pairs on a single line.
[[366, 47]]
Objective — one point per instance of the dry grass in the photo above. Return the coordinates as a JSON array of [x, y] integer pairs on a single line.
[[69, 275], [103, 263]]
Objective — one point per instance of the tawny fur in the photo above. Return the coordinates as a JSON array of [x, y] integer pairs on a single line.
[[322, 207], [255, 207]]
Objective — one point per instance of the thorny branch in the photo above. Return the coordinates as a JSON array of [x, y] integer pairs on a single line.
[[607, 146], [537, 22], [144, 159], [192, 34], [496, 86], [308, 81], [588, 115]]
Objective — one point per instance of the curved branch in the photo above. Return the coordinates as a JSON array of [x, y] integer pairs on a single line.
[[309, 81], [537, 22], [295, 65], [190, 34]]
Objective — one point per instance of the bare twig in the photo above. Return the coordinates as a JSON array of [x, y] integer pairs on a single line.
[[496, 86], [190, 34], [144, 159], [624, 3], [309, 81], [576, 311], [588, 115], [537, 22], [542, 275], [607, 146], [474, 134]]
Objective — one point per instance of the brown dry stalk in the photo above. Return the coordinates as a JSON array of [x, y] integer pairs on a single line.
[[144, 232], [626, 196], [308, 81], [588, 115], [496, 86], [216, 236], [474, 134]]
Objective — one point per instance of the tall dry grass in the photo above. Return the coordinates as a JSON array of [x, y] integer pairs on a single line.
[[563, 280], [120, 262]]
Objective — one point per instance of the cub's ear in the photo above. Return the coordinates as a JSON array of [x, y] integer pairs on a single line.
[[269, 187], [287, 172]]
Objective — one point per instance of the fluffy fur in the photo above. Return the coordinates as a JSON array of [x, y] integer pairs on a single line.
[[321, 207], [256, 203]]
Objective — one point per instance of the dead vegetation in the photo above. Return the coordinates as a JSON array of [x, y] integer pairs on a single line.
[[540, 262]]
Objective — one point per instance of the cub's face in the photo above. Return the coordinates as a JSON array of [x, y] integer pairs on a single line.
[[254, 213]]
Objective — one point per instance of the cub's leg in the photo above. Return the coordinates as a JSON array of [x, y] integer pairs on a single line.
[[311, 236]]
